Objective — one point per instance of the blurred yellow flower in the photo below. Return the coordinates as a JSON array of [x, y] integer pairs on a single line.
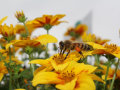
[[21, 29], [47, 21], [14, 60], [7, 31], [92, 38], [20, 89], [76, 76], [110, 73], [3, 70], [106, 49]]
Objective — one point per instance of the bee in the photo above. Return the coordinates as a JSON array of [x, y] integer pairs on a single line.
[[68, 46]]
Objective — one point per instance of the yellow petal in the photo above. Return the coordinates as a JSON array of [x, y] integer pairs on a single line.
[[1, 76], [95, 77], [108, 77], [20, 89], [41, 62], [83, 68], [67, 86], [43, 69], [44, 39], [46, 78], [117, 55], [11, 43], [55, 19], [3, 19], [95, 46], [39, 69], [59, 67], [85, 82]]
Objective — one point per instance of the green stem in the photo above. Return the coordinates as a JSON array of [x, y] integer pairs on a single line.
[[10, 81], [47, 31], [26, 29], [108, 66], [10, 72], [97, 59], [31, 65], [111, 86], [47, 46]]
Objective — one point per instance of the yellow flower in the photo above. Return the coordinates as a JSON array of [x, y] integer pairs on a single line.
[[92, 38], [7, 31], [106, 49], [76, 76], [47, 21], [77, 31], [57, 61], [43, 39], [3, 70]]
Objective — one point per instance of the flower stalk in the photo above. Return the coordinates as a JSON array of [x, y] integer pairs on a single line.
[[10, 72], [108, 66], [111, 86]]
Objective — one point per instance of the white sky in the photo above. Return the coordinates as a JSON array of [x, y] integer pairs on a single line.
[[106, 14]]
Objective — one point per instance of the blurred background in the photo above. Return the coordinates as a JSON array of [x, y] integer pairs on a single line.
[[101, 16]]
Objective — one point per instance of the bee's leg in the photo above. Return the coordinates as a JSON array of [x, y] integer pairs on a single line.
[[60, 51], [81, 53], [67, 54], [63, 51]]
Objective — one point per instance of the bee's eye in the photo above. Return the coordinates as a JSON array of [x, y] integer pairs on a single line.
[[61, 44]]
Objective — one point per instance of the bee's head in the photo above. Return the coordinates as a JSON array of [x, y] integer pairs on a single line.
[[61, 44]]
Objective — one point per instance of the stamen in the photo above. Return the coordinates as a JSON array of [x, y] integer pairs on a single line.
[[58, 59], [68, 75]]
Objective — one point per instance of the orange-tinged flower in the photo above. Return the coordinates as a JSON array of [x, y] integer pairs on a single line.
[[47, 21], [7, 31], [77, 31], [43, 39], [76, 76], [3, 70], [92, 38]]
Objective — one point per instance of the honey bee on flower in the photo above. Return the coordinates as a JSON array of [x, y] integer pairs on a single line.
[[79, 47]]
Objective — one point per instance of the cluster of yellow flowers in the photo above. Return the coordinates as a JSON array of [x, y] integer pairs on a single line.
[[61, 71]]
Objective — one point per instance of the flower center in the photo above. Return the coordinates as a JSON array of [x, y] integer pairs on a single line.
[[68, 75], [111, 48], [59, 59]]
